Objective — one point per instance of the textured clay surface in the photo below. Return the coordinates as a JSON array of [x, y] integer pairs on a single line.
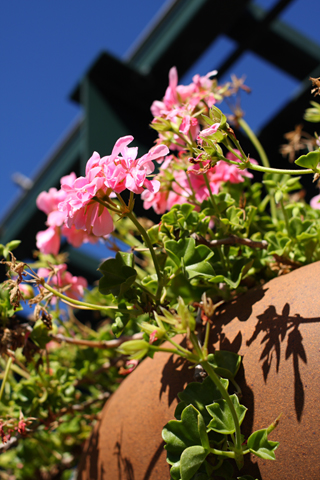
[[277, 331]]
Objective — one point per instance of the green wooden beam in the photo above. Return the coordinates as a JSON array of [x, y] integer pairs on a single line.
[[283, 46], [21, 216]]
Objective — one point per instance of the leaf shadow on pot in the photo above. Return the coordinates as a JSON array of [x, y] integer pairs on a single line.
[[125, 469], [88, 466], [175, 374], [276, 328], [275, 331], [154, 461]]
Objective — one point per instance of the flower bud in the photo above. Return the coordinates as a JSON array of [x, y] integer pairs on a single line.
[[135, 348]]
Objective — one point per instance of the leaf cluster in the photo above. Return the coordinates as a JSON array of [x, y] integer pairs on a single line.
[[200, 441]]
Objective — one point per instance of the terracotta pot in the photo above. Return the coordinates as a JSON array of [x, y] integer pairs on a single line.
[[277, 330]]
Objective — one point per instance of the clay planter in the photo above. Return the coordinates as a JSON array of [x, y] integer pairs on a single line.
[[277, 330]]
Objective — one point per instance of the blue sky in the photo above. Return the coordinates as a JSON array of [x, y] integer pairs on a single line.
[[46, 46]]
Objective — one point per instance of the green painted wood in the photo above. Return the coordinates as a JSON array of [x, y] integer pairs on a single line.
[[103, 125], [61, 163]]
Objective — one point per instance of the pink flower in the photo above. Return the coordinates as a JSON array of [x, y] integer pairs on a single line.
[[3, 435], [124, 170], [91, 217], [207, 132], [64, 278], [131, 365], [48, 241], [79, 206], [77, 237], [26, 290], [315, 202], [177, 96], [22, 425], [170, 98], [153, 337], [156, 200], [105, 177], [49, 201], [221, 172], [187, 123], [235, 173]]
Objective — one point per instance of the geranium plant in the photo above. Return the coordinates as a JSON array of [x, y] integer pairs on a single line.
[[220, 233]]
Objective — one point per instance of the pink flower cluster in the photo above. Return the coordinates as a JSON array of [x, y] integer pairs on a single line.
[[188, 186], [62, 278], [105, 176], [180, 103], [78, 211], [48, 241], [177, 96]]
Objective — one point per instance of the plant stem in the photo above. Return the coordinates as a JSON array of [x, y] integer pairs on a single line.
[[285, 216], [139, 284], [264, 159], [108, 206], [255, 141], [103, 344], [147, 241], [184, 350], [5, 376], [188, 355], [84, 305], [222, 453], [260, 168], [214, 377], [215, 206], [206, 340]]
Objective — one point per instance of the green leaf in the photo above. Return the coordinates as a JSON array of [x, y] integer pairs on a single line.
[[120, 321], [310, 160], [194, 259], [135, 348], [259, 444], [203, 269], [277, 243], [171, 217], [6, 309], [40, 334], [251, 211], [278, 196], [234, 215], [186, 209], [240, 267], [201, 394], [191, 460], [203, 433], [222, 421], [150, 281], [223, 201], [118, 274], [224, 471], [153, 233], [181, 434], [293, 182], [175, 471], [13, 244], [270, 183], [225, 364], [313, 114]]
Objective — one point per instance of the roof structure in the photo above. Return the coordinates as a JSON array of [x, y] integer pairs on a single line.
[[116, 95]]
